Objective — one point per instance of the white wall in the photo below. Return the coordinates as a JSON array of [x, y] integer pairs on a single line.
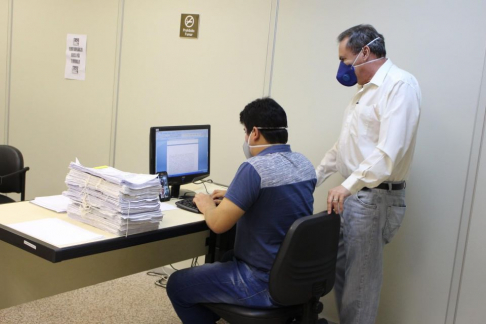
[[430, 39], [167, 80], [141, 74], [469, 283], [54, 120]]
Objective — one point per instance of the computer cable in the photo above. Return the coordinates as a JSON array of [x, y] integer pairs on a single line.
[[162, 282], [204, 183]]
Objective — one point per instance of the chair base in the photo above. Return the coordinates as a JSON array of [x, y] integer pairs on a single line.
[[243, 315], [299, 314]]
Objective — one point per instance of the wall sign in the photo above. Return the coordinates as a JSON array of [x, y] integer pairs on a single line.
[[75, 57], [189, 25]]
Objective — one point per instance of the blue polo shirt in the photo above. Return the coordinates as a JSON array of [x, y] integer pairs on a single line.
[[274, 189]]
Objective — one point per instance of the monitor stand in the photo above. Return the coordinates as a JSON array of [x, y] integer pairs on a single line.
[[176, 192]]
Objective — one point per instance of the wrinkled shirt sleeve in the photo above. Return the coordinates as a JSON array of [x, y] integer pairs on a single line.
[[327, 166]]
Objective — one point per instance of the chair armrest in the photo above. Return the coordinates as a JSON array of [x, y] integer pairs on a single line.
[[24, 170]]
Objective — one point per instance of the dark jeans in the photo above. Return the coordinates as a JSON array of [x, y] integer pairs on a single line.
[[233, 282]]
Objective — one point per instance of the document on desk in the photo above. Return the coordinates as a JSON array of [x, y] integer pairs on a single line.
[[166, 206], [57, 203], [56, 232]]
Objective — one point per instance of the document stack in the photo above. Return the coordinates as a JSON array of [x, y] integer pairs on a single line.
[[118, 202]]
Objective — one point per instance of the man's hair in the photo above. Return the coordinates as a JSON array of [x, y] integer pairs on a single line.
[[360, 35], [266, 112]]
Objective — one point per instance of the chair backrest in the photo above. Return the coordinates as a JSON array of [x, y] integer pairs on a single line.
[[305, 265], [11, 161]]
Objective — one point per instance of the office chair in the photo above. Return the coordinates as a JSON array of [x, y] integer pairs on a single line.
[[303, 271], [12, 173]]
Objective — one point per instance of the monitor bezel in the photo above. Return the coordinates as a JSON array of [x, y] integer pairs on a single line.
[[179, 180]]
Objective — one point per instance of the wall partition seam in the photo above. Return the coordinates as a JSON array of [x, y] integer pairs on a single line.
[[8, 75], [267, 83], [116, 81], [468, 201]]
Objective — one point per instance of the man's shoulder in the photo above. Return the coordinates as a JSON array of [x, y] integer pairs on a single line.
[[283, 168], [277, 158], [397, 74]]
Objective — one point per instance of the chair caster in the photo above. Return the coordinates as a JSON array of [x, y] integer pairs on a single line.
[[322, 321]]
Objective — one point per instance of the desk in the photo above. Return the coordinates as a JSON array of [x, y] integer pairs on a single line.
[[27, 274]]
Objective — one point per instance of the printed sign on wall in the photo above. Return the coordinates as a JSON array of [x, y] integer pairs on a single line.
[[189, 25], [76, 57]]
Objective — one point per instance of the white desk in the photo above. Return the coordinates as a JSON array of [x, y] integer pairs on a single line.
[[27, 274]]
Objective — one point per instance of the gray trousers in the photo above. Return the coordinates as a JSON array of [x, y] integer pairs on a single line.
[[370, 220]]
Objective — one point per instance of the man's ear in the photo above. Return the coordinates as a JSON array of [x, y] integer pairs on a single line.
[[256, 134], [366, 52]]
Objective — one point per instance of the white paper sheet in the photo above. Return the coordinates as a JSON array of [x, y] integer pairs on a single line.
[[56, 232], [166, 207], [76, 57], [57, 203]]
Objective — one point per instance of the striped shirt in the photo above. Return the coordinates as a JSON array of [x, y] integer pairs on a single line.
[[274, 189]]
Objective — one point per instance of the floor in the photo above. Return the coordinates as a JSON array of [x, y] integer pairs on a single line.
[[131, 299]]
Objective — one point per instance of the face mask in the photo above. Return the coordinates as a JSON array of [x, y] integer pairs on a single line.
[[247, 146], [346, 75]]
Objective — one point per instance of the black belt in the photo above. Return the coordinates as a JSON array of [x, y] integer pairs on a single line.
[[389, 186]]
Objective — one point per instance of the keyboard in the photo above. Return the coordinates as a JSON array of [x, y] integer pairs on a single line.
[[188, 205]]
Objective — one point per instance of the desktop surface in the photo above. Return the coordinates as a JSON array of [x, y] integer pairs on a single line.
[[175, 223]]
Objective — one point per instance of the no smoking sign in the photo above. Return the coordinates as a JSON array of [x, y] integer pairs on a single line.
[[189, 25]]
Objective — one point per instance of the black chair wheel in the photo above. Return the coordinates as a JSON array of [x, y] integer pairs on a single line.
[[319, 307], [322, 321]]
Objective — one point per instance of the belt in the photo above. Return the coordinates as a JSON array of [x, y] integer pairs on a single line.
[[389, 186]]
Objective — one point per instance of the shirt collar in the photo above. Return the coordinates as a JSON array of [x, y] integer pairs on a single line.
[[275, 149], [381, 74]]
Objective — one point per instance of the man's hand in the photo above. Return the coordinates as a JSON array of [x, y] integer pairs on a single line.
[[204, 202], [218, 196], [335, 199]]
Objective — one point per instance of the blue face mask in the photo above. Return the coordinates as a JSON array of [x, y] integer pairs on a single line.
[[346, 75]]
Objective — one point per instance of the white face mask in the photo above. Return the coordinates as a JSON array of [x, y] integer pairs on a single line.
[[247, 146]]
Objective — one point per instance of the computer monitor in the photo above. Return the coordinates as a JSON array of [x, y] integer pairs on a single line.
[[182, 151]]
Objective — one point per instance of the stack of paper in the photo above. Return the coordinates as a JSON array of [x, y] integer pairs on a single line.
[[118, 202]]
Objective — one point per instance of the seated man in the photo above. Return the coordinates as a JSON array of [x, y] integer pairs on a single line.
[[271, 190]]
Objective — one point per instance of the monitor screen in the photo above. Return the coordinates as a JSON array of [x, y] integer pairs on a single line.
[[182, 151]]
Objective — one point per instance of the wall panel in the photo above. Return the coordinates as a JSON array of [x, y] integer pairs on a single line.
[[418, 264], [168, 80], [54, 120], [4, 14]]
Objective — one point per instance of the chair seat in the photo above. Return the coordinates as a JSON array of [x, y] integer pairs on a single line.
[[5, 199], [243, 315]]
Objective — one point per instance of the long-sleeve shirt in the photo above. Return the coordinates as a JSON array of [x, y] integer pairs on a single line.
[[378, 134]]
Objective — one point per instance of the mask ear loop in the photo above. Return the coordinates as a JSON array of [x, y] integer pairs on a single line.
[[362, 51], [381, 58], [282, 127]]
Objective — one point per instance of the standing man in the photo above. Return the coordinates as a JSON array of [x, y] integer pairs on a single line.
[[373, 153], [272, 189]]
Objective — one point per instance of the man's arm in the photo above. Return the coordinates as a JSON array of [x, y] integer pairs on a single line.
[[219, 218], [327, 166]]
